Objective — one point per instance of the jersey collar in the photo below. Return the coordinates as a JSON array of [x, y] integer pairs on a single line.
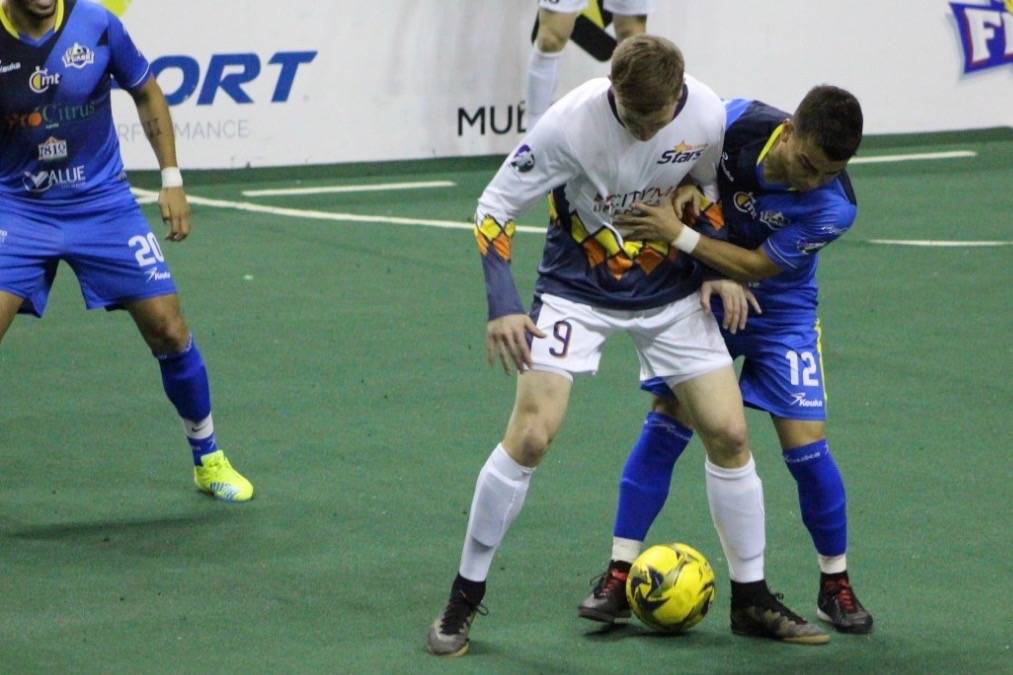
[[8, 25], [760, 178], [678, 109]]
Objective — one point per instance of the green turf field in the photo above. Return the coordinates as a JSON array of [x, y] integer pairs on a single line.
[[347, 368]]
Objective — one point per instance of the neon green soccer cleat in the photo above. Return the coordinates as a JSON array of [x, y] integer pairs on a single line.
[[216, 477]]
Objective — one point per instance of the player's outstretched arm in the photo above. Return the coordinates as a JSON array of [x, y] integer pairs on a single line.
[[156, 120]]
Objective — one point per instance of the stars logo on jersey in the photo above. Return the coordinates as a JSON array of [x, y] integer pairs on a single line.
[[41, 80], [53, 149], [681, 153], [523, 160], [78, 56]]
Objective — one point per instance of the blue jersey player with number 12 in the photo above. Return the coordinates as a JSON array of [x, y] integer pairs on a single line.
[[784, 196], [64, 196]]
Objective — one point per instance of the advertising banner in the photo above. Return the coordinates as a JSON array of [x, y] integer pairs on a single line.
[[257, 83]]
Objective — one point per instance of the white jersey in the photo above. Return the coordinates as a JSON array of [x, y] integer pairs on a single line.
[[593, 168]]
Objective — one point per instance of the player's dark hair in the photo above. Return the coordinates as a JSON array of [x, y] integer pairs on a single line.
[[832, 118], [647, 72]]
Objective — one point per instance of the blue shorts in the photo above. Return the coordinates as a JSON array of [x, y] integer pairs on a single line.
[[782, 371], [110, 247]]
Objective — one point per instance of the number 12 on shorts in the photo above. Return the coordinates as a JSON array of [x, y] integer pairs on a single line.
[[808, 362]]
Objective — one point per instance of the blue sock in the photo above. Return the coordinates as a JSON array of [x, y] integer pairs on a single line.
[[647, 475], [185, 380], [820, 496]]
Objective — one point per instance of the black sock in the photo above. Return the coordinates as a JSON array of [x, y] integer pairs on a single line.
[[748, 593], [836, 576], [620, 565], [474, 591]]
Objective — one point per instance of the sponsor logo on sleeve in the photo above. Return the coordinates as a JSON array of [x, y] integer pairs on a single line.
[[523, 159], [986, 33], [810, 246]]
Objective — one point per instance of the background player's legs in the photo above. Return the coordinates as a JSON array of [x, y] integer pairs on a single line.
[[502, 485], [628, 26], [554, 30], [9, 305], [185, 380]]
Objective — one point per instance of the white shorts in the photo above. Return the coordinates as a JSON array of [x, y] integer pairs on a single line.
[[623, 7], [676, 342]]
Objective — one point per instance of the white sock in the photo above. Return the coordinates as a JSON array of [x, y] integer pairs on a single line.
[[543, 74], [833, 564], [736, 501], [625, 550], [499, 495]]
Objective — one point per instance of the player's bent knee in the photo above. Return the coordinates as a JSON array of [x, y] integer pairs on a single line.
[[629, 26], [168, 334], [728, 444], [528, 443], [550, 43]]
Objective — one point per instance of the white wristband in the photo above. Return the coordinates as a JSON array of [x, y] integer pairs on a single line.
[[687, 240], [172, 177]]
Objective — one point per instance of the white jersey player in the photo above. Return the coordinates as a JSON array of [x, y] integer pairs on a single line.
[[634, 137]]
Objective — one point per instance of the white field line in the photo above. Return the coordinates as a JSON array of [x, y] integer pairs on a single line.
[[149, 196], [953, 154], [328, 215], [942, 243], [332, 189]]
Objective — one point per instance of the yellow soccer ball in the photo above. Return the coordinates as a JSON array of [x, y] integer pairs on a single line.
[[670, 587]]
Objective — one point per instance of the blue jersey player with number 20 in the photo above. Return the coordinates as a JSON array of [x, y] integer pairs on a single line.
[[784, 196], [64, 196]]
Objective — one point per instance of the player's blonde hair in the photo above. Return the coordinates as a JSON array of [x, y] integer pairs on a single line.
[[647, 72]]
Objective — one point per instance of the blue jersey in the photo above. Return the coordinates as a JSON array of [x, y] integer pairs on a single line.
[[791, 226], [58, 144]]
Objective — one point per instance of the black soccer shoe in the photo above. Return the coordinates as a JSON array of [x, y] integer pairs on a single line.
[[448, 634], [838, 606], [607, 602], [760, 613]]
